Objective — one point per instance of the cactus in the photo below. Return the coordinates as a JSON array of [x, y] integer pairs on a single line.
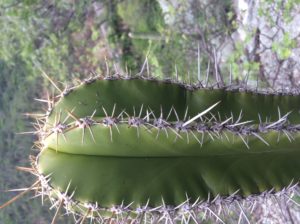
[[121, 149]]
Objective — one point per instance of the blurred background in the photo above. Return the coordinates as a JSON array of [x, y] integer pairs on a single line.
[[252, 43]]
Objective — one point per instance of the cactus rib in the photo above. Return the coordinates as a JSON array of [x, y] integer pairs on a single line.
[[88, 107], [177, 185], [199, 138], [161, 96]]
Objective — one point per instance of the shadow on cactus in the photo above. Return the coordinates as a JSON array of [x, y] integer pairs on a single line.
[[138, 150]]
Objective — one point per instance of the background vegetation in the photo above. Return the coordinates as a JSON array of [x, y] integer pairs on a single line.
[[74, 39]]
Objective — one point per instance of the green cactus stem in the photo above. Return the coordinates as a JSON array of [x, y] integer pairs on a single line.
[[136, 146], [140, 150]]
